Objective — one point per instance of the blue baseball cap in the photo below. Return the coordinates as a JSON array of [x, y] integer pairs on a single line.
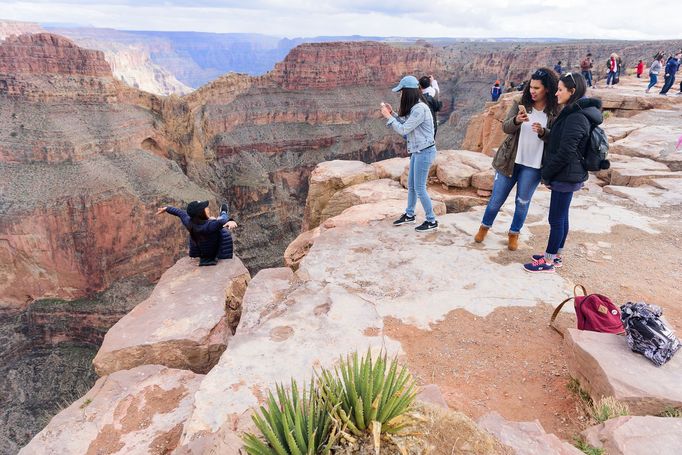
[[407, 82]]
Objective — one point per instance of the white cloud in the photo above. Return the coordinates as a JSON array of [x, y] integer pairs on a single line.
[[627, 19]]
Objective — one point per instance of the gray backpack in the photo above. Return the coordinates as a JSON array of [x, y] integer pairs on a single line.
[[647, 333]]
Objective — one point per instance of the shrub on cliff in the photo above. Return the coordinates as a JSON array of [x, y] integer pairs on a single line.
[[360, 397], [297, 423]]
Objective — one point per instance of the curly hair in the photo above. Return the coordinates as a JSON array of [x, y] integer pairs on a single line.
[[550, 81]]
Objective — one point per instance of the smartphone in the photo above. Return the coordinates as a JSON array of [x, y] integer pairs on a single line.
[[522, 109]]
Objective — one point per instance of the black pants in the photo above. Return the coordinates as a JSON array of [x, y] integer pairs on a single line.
[[669, 81]]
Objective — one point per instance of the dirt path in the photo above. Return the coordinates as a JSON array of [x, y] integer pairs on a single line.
[[510, 361]]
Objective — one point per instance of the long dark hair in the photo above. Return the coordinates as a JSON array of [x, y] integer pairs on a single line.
[[574, 81], [408, 98], [550, 81], [198, 219]]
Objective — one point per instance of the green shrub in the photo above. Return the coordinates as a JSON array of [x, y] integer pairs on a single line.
[[587, 449], [672, 412], [608, 408], [294, 424], [360, 393]]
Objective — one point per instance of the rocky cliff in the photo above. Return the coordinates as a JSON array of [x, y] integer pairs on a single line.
[[361, 283]]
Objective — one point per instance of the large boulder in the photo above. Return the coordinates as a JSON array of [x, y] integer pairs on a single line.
[[526, 438], [185, 323], [264, 295], [328, 178], [139, 411], [636, 435], [391, 168], [605, 366], [455, 168], [363, 193]]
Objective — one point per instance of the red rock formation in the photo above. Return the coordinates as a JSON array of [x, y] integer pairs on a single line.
[[332, 65]]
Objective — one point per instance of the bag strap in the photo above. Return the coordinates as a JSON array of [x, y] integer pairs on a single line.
[[558, 309], [556, 313]]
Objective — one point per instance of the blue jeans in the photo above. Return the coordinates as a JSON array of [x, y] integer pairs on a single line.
[[526, 180], [420, 162], [610, 77], [558, 220], [653, 79], [669, 81], [588, 77]]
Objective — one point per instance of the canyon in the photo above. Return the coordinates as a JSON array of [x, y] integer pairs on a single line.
[[85, 160]]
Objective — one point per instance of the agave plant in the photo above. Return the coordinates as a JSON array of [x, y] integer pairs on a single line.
[[294, 424], [361, 393]]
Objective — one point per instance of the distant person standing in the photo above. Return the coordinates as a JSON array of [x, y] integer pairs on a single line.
[[612, 68], [655, 68], [640, 69], [671, 68], [558, 69], [414, 122], [586, 69], [431, 97], [496, 91], [432, 89]]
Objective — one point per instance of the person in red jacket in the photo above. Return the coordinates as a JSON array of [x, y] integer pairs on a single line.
[[640, 69]]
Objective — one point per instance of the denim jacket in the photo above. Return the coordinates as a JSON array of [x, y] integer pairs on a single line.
[[417, 127]]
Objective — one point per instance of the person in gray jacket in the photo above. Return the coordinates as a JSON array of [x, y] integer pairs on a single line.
[[655, 68], [415, 123]]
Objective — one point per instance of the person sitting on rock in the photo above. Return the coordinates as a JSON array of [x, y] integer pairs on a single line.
[[563, 170], [208, 238], [519, 159], [414, 122]]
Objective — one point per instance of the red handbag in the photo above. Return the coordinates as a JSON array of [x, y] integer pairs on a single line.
[[594, 312]]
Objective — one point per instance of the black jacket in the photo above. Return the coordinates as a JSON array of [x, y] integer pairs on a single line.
[[568, 142], [210, 240]]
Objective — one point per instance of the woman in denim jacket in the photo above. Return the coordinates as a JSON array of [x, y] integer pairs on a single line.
[[415, 123]]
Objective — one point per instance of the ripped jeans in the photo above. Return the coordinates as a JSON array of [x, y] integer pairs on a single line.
[[526, 180]]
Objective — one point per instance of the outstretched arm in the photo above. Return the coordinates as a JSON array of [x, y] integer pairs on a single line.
[[184, 217]]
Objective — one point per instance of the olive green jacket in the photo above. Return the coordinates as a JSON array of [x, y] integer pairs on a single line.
[[504, 159]]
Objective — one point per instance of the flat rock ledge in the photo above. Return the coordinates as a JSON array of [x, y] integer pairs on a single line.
[[185, 323], [605, 366], [636, 435], [138, 411], [525, 438]]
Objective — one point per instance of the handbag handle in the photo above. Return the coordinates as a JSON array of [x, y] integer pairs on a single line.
[[558, 309]]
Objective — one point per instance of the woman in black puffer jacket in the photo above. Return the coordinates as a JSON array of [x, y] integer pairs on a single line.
[[563, 170]]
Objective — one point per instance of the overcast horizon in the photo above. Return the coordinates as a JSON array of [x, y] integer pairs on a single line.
[[532, 19]]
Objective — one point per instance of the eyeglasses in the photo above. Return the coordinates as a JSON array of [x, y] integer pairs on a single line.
[[540, 73], [571, 76]]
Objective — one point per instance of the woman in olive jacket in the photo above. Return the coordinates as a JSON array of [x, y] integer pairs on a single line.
[[519, 158], [563, 170]]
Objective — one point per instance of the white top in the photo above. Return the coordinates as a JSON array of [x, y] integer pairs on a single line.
[[530, 148], [433, 90]]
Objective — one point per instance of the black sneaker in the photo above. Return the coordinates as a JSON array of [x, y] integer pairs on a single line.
[[404, 219], [426, 226]]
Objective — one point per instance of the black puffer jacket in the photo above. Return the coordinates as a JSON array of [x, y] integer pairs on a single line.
[[568, 141]]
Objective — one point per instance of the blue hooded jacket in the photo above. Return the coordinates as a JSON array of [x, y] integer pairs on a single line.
[[672, 66], [208, 240]]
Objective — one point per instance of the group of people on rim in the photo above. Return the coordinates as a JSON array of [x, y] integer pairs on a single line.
[[547, 129]]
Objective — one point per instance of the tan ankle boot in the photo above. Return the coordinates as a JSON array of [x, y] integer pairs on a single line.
[[513, 241], [480, 235]]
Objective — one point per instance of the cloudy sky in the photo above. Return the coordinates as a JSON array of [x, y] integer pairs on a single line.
[[616, 19]]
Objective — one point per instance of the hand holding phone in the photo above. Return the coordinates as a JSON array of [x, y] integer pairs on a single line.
[[522, 116]]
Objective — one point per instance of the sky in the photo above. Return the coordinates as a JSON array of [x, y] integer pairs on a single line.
[[601, 19]]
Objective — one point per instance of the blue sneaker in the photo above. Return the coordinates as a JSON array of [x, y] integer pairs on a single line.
[[539, 266], [557, 260]]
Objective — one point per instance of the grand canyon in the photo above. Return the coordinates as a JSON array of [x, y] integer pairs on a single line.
[[88, 152]]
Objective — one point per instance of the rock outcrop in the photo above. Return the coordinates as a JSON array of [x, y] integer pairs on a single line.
[[634, 435], [9, 28], [137, 411], [185, 323], [605, 366], [526, 438]]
